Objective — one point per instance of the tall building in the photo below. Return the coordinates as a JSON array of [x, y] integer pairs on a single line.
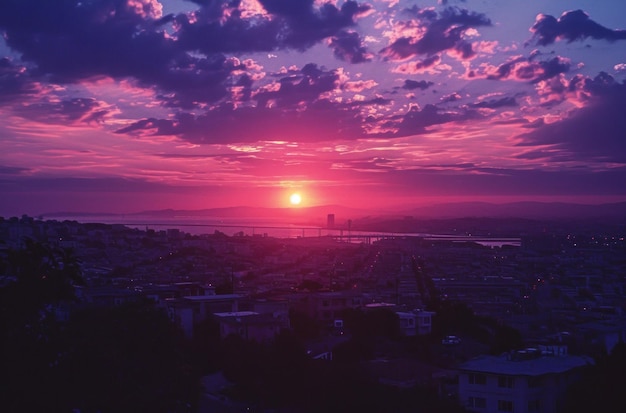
[[330, 221]]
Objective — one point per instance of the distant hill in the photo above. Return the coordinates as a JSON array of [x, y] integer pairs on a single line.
[[244, 211], [315, 215], [535, 210], [318, 214]]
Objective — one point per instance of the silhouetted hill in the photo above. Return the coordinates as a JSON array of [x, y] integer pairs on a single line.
[[300, 214], [485, 219], [536, 210], [317, 214], [244, 211]]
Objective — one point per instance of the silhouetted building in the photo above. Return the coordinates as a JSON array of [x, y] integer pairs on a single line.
[[190, 310], [330, 221], [251, 325], [328, 306]]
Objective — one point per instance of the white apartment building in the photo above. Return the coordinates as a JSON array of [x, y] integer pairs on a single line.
[[528, 381]]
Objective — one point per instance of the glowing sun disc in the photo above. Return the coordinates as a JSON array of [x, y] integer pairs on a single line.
[[295, 199]]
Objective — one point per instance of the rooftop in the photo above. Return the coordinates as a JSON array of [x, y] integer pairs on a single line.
[[219, 297], [236, 314], [538, 366], [380, 305]]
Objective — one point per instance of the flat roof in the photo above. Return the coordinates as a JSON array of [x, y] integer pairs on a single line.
[[218, 297], [406, 313], [236, 314], [379, 305], [337, 294], [533, 367]]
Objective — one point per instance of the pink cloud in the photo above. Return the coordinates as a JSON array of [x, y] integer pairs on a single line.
[[359, 85], [521, 69], [148, 9], [430, 64]]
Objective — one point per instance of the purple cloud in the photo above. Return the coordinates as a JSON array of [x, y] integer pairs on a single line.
[[594, 132], [12, 170], [537, 123], [416, 120], [423, 65], [572, 25], [495, 103], [305, 86], [275, 113], [298, 107], [70, 111], [531, 70], [15, 83], [70, 42], [452, 97], [322, 121], [73, 41], [281, 111], [295, 24], [348, 46], [416, 84], [443, 31], [551, 68]]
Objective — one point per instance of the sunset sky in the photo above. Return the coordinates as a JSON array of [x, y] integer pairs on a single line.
[[130, 105]]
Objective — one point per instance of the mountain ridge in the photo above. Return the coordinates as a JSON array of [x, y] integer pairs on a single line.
[[527, 209]]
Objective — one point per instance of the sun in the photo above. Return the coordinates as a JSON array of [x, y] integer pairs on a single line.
[[295, 199]]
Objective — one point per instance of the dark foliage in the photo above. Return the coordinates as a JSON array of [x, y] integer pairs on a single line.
[[304, 326], [376, 323], [457, 318], [121, 359], [128, 358], [281, 376], [601, 387]]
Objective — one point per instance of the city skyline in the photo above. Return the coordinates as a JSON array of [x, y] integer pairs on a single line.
[[129, 105]]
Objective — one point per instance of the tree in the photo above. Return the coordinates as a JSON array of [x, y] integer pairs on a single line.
[[126, 358], [601, 387], [29, 333], [303, 326], [506, 338], [44, 274], [381, 322]]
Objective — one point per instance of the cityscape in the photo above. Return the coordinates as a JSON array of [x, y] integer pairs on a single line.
[[305, 206], [236, 322]]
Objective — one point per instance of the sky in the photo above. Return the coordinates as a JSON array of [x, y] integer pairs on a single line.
[[130, 105]]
